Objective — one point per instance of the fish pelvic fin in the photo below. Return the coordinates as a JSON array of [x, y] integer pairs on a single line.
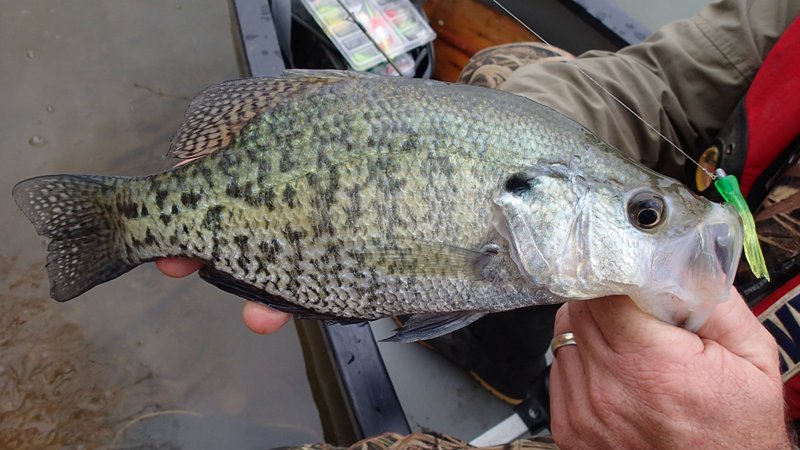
[[430, 325], [85, 249]]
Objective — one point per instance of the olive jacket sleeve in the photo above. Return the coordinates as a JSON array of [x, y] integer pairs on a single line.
[[685, 80]]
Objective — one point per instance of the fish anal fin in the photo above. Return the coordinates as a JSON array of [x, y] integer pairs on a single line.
[[430, 325], [231, 285]]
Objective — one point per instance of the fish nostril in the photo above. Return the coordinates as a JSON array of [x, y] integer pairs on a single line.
[[518, 185]]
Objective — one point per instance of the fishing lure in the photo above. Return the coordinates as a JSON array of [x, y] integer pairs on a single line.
[[727, 185]]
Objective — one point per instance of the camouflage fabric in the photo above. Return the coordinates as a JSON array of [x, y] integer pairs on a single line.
[[778, 218], [425, 441], [491, 66]]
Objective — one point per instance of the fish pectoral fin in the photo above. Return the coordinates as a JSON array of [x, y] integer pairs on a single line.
[[242, 289], [430, 325], [216, 116], [425, 259]]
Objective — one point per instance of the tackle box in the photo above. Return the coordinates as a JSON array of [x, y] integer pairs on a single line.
[[394, 25]]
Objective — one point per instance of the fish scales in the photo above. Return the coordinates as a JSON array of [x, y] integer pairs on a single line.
[[357, 196], [323, 187]]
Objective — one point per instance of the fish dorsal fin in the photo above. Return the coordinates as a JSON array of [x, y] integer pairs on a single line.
[[216, 116]]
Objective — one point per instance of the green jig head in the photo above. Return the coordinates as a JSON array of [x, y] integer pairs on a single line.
[[728, 187]]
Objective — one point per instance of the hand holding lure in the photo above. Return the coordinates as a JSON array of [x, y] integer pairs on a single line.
[[727, 185]]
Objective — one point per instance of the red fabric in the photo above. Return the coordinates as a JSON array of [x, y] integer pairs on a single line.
[[773, 106], [791, 393]]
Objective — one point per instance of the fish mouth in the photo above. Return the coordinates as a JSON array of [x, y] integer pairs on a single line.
[[725, 243], [691, 274]]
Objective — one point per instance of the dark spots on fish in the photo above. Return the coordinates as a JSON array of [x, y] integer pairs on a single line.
[[333, 184], [269, 199], [174, 209], [155, 185], [165, 218], [252, 154], [145, 212], [216, 243], [271, 250], [149, 238], [173, 240], [412, 143], [128, 210], [322, 157], [161, 195], [360, 258], [213, 218], [323, 226], [183, 247], [207, 174], [190, 199], [179, 175], [260, 269], [185, 229], [353, 212], [241, 242], [226, 162], [312, 180], [135, 243], [264, 169], [243, 263], [233, 189], [286, 163], [333, 249], [293, 236], [289, 195], [357, 273]]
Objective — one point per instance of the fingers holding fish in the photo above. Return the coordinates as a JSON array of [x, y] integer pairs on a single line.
[[262, 319], [625, 329], [567, 378], [178, 267], [258, 318], [734, 327], [574, 389]]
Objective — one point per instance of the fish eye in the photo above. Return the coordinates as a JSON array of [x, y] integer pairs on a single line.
[[646, 210]]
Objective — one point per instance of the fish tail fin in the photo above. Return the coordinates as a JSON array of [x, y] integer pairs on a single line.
[[86, 248]]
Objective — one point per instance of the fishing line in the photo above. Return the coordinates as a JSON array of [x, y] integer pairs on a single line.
[[726, 185], [363, 29], [607, 92]]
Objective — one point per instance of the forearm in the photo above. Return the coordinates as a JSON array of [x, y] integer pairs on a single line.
[[685, 80]]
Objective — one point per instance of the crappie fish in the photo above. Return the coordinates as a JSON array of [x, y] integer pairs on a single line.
[[350, 196]]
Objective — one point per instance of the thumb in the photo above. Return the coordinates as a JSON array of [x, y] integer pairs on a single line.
[[733, 326]]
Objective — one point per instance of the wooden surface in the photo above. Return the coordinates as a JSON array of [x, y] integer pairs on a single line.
[[463, 27]]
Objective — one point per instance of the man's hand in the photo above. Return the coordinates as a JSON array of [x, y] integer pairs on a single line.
[[258, 318], [633, 381]]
